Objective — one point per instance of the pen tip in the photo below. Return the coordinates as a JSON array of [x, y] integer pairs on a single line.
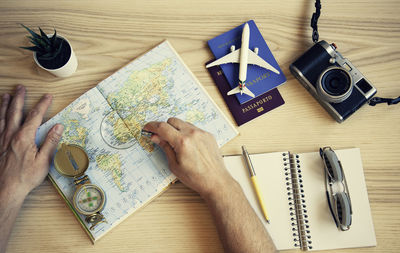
[[268, 222]]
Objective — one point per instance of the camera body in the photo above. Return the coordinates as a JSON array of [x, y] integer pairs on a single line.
[[333, 80]]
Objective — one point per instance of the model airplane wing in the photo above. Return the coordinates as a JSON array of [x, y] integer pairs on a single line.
[[232, 57], [253, 59], [244, 90], [257, 60]]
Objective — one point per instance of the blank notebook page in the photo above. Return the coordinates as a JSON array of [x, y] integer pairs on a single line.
[[272, 183], [324, 232]]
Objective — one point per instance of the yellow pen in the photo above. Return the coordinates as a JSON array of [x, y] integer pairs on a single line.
[[255, 182]]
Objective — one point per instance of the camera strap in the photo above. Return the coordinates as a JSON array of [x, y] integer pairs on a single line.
[[315, 37], [314, 21], [377, 100]]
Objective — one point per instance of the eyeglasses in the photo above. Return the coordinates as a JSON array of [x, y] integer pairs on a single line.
[[337, 191]]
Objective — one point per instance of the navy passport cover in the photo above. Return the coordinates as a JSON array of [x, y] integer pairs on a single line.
[[243, 113], [259, 80]]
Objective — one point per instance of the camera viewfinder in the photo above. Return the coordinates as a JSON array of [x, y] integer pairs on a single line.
[[364, 85]]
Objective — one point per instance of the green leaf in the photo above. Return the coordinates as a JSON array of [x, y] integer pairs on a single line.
[[52, 55], [34, 49], [53, 39], [44, 36], [34, 42], [48, 48], [47, 55], [45, 58], [35, 35], [40, 42], [59, 48], [48, 58]]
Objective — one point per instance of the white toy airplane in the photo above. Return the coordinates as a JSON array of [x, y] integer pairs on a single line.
[[243, 56]]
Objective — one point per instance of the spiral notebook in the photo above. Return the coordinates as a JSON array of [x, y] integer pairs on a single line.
[[280, 174]]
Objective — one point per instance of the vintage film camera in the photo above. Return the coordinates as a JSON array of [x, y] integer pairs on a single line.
[[333, 80]]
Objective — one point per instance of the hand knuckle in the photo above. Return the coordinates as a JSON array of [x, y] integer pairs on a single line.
[[32, 147], [17, 140], [19, 137], [185, 141], [162, 126], [33, 113], [196, 133]]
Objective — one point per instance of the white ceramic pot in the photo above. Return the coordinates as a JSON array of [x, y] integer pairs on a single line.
[[67, 69]]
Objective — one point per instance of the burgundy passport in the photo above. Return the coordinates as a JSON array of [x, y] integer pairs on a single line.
[[243, 113]]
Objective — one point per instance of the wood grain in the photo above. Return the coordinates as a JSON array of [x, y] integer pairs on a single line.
[[106, 35]]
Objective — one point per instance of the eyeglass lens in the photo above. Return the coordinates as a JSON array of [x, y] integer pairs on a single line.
[[343, 210], [332, 165]]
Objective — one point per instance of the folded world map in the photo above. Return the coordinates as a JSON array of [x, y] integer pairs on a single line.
[[106, 121]]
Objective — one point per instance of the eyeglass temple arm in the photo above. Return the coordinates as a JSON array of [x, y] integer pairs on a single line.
[[347, 189], [331, 209]]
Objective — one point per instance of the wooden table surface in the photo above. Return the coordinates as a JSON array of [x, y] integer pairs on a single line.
[[106, 35]]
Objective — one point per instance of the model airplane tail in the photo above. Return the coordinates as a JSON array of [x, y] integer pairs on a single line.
[[242, 90]]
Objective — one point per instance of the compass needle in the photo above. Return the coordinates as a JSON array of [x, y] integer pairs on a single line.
[[72, 160]]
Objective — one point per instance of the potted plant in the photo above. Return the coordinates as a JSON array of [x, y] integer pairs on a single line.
[[52, 53]]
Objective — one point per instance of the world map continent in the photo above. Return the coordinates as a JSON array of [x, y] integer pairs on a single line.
[[145, 91]]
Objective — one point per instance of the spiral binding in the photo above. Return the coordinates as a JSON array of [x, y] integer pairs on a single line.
[[297, 203]]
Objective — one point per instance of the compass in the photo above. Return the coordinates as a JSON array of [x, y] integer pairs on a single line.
[[89, 199]]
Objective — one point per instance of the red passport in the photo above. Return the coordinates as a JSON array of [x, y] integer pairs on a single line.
[[243, 113]]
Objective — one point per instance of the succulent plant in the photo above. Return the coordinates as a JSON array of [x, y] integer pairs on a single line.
[[46, 48]]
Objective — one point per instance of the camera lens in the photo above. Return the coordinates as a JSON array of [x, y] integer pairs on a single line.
[[335, 84]]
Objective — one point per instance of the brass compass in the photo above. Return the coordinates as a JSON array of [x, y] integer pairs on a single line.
[[89, 199]]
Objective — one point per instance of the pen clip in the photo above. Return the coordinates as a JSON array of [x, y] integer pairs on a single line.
[[249, 164]]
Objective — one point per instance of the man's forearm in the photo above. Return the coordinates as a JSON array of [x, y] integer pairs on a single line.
[[239, 227], [10, 204]]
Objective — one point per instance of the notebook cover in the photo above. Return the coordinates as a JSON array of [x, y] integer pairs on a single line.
[[259, 80], [243, 113]]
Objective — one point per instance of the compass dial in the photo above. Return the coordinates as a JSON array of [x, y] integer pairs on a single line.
[[89, 199]]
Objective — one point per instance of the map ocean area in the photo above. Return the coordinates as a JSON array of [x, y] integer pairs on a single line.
[[106, 121]]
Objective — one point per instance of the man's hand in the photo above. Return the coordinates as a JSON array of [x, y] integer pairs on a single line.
[[193, 154], [194, 157], [22, 165]]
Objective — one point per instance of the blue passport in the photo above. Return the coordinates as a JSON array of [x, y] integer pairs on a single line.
[[259, 80]]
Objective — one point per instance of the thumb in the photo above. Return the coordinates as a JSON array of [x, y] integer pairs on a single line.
[[50, 143]]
